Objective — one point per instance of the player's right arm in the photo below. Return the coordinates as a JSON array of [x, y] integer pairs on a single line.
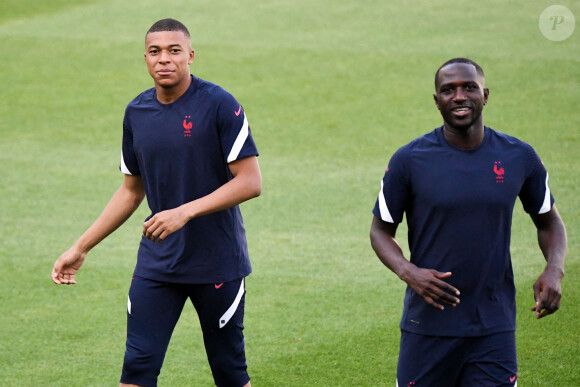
[[122, 204], [427, 283]]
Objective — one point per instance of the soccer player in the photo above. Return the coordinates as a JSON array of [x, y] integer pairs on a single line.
[[188, 148], [457, 186]]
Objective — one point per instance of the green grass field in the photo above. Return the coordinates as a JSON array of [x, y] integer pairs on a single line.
[[331, 90]]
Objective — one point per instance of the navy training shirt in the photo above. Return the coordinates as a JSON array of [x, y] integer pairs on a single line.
[[181, 151], [459, 205]]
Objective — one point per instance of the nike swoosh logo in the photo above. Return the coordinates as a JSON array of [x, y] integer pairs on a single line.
[[513, 378], [239, 111], [217, 286]]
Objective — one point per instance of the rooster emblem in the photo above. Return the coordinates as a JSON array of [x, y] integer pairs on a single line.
[[499, 172], [187, 127]]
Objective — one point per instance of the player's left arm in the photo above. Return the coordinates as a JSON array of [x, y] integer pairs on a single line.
[[553, 243], [245, 184]]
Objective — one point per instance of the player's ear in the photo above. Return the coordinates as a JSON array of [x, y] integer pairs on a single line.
[[191, 56], [436, 99], [485, 95]]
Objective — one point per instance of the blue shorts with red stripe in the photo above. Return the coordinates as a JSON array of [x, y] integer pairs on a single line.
[[153, 310], [457, 361]]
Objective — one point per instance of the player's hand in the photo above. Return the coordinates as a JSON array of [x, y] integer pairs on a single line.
[[164, 223], [66, 266], [548, 292], [430, 285]]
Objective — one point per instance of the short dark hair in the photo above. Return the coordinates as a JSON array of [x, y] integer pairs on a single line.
[[168, 25], [459, 60]]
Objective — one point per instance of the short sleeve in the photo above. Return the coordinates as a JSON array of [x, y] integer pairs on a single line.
[[128, 165], [535, 194], [234, 130], [394, 193]]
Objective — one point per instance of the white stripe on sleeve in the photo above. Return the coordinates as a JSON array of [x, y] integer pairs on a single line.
[[232, 309], [124, 168], [385, 214], [546, 205], [240, 140]]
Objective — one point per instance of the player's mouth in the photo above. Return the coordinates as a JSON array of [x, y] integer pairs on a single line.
[[164, 72], [460, 111]]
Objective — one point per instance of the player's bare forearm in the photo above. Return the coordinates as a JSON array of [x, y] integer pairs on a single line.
[[121, 206], [553, 243], [246, 184], [552, 238], [429, 284], [386, 247]]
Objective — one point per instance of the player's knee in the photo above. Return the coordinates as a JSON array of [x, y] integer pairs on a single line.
[[228, 366], [226, 376], [140, 368]]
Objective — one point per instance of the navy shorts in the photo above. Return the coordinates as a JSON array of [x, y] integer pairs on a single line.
[[457, 361], [153, 309]]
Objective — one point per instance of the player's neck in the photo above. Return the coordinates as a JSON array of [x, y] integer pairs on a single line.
[[464, 138], [167, 95]]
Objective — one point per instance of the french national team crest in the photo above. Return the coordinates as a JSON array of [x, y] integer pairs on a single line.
[[187, 126], [499, 172]]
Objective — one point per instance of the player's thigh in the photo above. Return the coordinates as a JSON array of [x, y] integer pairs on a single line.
[[492, 361], [429, 360], [220, 308], [153, 309], [219, 305]]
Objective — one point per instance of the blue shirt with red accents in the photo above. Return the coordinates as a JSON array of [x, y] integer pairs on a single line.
[[181, 151], [458, 205]]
